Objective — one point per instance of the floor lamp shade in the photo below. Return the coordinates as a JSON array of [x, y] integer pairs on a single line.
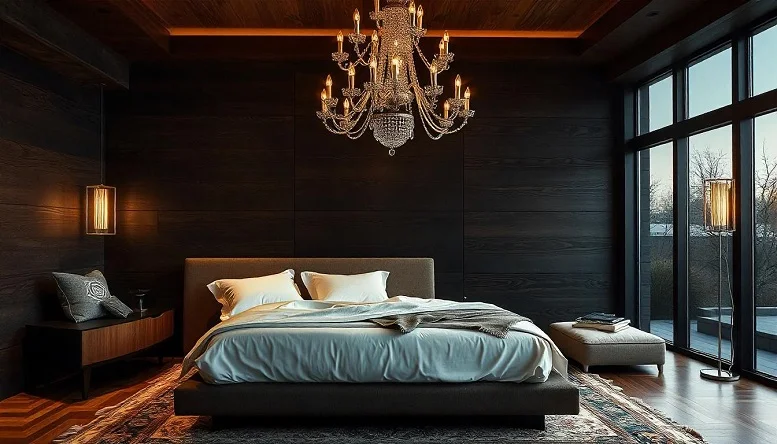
[[100, 210], [719, 205]]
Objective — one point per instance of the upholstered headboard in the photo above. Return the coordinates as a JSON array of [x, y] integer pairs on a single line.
[[409, 277]]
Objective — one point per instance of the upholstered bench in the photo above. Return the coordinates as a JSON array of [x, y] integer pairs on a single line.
[[594, 347]]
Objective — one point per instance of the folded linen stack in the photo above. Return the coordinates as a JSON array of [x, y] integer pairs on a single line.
[[602, 321]]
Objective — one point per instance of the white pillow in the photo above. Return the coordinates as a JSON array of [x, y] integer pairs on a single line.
[[367, 287], [239, 295]]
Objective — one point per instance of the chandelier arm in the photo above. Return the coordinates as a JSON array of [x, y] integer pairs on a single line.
[[428, 118], [421, 54], [334, 128], [360, 132]]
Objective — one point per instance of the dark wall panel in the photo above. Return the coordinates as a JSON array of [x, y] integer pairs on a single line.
[[49, 153], [228, 159]]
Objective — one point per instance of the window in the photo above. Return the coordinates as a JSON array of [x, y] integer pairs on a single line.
[[765, 195], [709, 157], [655, 105], [657, 286], [709, 83], [765, 61]]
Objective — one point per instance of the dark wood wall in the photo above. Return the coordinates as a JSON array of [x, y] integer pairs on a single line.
[[49, 151], [228, 159]]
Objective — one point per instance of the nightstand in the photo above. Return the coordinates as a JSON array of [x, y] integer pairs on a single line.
[[58, 348]]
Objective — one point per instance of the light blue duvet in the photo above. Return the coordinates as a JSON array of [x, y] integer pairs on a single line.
[[314, 341]]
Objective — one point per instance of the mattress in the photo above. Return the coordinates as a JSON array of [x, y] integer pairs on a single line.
[[310, 341]]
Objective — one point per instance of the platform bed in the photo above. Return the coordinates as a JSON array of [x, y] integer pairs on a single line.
[[523, 405]]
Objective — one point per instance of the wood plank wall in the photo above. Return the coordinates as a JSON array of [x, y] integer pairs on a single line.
[[228, 159], [49, 151]]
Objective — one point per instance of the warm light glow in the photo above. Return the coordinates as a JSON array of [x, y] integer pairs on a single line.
[[100, 210], [442, 47], [327, 32], [329, 86], [420, 16], [411, 10], [446, 38], [323, 100], [719, 205], [346, 106], [433, 73], [395, 62], [375, 36], [377, 5], [446, 109], [340, 41], [356, 20], [467, 95], [458, 86]]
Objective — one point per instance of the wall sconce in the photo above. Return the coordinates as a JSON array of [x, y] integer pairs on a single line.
[[100, 210], [101, 199]]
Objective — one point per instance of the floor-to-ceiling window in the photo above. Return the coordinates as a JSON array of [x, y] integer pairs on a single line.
[[765, 269], [764, 73], [710, 116]]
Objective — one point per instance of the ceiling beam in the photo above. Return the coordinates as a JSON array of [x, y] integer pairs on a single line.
[[332, 32], [32, 27], [147, 20], [613, 18], [704, 26]]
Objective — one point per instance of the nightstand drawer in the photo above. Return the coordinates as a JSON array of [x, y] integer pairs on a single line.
[[118, 340]]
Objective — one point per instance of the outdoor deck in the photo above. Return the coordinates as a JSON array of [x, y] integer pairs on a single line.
[[765, 361]]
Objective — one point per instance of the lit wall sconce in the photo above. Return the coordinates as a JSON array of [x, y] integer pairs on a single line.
[[101, 199], [719, 205], [100, 210]]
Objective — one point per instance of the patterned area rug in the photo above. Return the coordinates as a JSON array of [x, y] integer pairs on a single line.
[[606, 416]]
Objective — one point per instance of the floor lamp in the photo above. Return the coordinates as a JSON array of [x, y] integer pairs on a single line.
[[719, 199]]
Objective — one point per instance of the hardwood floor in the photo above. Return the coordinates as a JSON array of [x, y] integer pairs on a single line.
[[738, 413], [742, 412], [40, 418]]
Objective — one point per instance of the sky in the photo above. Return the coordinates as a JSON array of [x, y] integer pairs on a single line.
[[709, 88]]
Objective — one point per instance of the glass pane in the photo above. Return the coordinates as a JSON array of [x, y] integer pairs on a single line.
[[655, 105], [656, 288], [765, 61], [709, 157], [765, 194], [709, 83]]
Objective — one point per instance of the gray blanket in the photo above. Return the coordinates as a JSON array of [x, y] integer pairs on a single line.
[[493, 322]]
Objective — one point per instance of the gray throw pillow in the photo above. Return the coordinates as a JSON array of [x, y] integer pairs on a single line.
[[83, 297]]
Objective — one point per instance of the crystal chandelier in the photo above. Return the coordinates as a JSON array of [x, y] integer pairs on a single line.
[[385, 103]]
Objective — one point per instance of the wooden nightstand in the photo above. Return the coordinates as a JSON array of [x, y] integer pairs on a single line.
[[58, 348]]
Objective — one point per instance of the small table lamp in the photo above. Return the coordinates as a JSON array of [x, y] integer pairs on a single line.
[[719, 216]]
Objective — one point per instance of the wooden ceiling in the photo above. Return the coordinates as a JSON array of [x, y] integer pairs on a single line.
[[564, 18], [624, 34]]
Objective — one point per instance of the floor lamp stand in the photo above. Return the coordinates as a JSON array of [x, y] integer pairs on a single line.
[[719, 374]]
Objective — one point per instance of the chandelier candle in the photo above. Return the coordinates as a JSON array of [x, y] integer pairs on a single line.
[[386, 104], [467, 95], [323, 100]]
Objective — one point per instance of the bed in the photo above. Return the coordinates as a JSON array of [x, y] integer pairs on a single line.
[[243, 386]]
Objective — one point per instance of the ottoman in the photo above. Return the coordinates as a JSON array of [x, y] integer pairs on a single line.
[[594, 347]]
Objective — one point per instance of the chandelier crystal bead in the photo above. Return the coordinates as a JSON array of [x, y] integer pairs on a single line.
[[387, 102]]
